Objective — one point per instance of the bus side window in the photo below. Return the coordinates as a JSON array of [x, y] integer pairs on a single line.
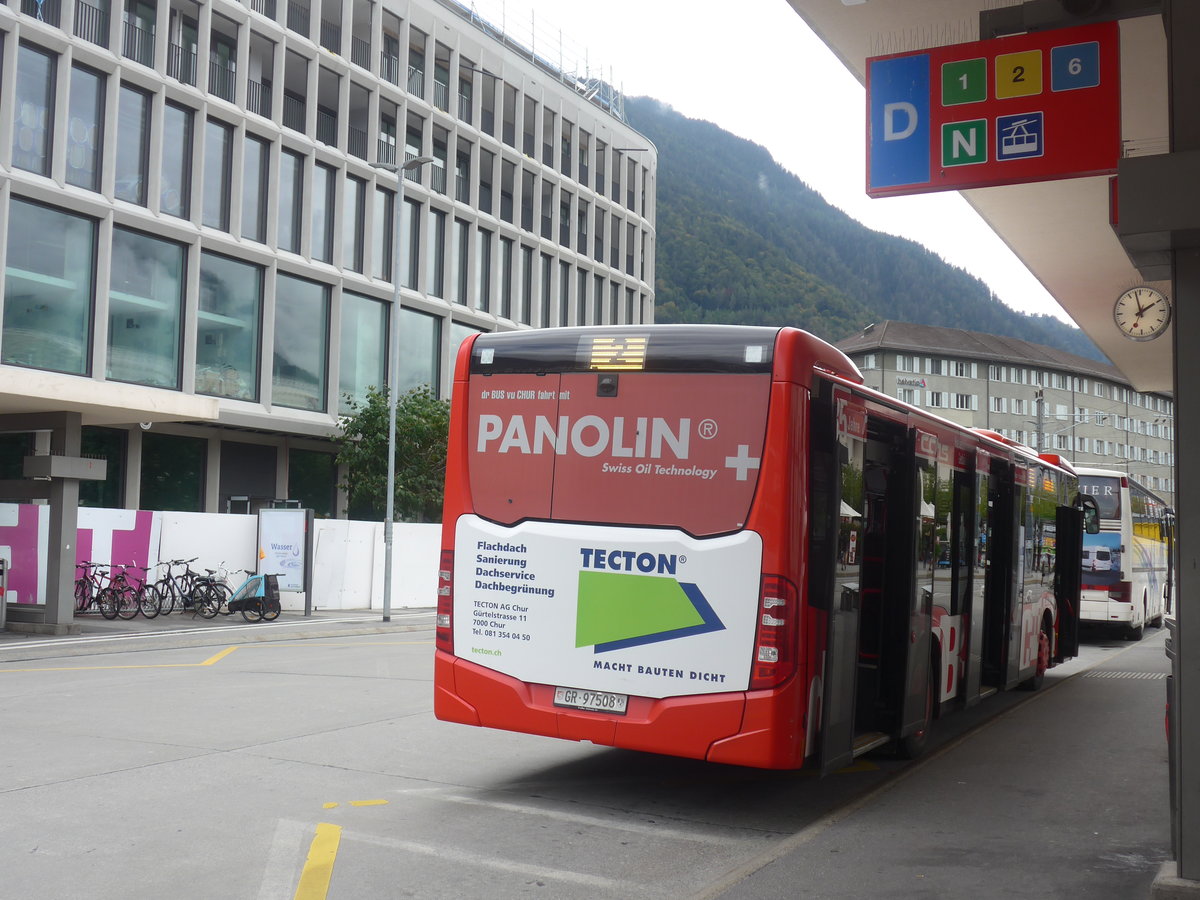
[[1091, 513]]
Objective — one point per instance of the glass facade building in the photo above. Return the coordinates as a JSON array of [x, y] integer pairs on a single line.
[[197, 199]]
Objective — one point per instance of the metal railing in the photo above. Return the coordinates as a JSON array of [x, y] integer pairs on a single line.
[[331, 35], [360, 52], [389, 68], [416, 81], [385, 152], [298, 17], [294, 113], [91, 23], [441, 95], [264, 7], [327, 127], [357, 142], [139, 44], [222, 80], [258, 98], [47, 11], [181, 63]]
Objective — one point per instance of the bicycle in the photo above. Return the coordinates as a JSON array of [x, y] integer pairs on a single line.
[[257, 598], [128, 598], [175, 590], [89, 590]]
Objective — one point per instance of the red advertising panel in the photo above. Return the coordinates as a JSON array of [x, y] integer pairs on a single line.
[[670, 449], [1032, 107]]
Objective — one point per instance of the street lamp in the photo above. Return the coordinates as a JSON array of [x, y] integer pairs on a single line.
[[394, 371]]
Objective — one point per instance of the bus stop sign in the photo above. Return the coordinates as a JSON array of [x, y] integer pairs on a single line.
[[1032, 107]]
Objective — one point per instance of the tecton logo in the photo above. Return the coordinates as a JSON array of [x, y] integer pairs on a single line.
[[617, 610]]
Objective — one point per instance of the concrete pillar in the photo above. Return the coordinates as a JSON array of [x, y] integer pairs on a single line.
[[65, 439]]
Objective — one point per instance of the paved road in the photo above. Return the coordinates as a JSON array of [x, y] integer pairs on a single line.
[[238, 764]]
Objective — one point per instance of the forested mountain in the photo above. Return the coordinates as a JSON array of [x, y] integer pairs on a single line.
[[741, 240]]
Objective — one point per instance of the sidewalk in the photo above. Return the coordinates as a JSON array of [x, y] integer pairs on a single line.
[[1064, 796], [98, 635]]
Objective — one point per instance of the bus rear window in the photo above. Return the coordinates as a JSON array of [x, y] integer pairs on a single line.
[[1107, 492], [617, 447]]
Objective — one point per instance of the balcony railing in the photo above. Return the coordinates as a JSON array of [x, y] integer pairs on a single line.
[[441, 95], [327, 127], [385, 152], [222, 80], [91, 23], [464, 107], [47, 11], [264, 7], [437, 177], [258, 98], [181, 63], [462, 188], [357, 145], [416, 81], [139, 44], [294, 113], [331, 35], [389, 68], [360, 52], [298, 17]]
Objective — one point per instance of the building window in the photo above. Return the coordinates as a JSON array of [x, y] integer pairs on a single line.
[[581, 289], [483, 269], [526, 311], [363, 348], [312, 480], [998, 404], [227, 327], [996, 373], [175, 195], [461, 255], [48, 289], [291, 200], [436, 246], [33, 110], [867, 361], [908, 395], [133, 142], [506, 277], [420, 350], [353, 202], [1018, 406], [564, 292], [936, 399], [381, 233], [301, 331], [322, 213], [85, 131], [144, 303], [543, 313], [966, 401], [906, 363], [413, 257], [173, 469], [255, 171], [218, 165]]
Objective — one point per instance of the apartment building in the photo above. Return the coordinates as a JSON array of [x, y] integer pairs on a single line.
[[1085, 410], [197, 209]]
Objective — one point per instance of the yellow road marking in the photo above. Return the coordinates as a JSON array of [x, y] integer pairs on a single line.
[[318, 868], [368, 803], [329, 806], [220, 656]]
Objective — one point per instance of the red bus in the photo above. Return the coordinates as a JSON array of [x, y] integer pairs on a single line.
[[714, 542]]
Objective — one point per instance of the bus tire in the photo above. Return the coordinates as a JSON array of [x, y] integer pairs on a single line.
[[915, 744], [1045, 647], [1135, 633]]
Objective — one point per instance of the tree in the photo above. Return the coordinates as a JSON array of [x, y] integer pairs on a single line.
[[422, 427]]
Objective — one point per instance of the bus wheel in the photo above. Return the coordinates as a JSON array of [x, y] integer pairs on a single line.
[[1135, 634], [915, 744], [1033, 682]]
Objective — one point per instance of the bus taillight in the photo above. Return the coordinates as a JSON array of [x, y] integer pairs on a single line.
[[775, 638], [444, 630], [1122, 592]]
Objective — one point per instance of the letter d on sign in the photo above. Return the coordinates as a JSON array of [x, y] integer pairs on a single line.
[[899, 122], [908, 115]]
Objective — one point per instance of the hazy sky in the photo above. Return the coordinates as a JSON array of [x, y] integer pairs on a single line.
[[765, 77]]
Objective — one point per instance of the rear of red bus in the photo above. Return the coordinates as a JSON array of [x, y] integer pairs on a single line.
[[622, 539]]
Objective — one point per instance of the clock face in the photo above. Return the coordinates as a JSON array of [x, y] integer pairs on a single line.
[[1142, 313]]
